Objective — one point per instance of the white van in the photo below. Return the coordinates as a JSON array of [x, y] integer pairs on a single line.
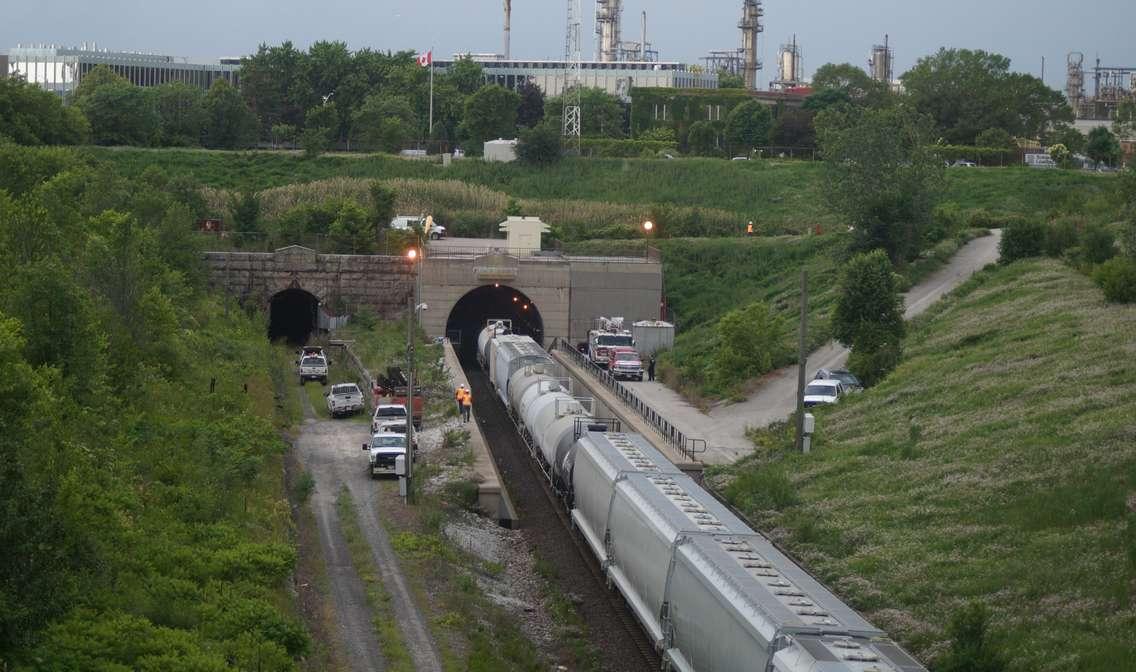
[[407, 222]]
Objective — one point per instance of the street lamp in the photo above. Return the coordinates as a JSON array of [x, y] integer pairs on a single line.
[[415, 257], [648, 226], [415, 309]]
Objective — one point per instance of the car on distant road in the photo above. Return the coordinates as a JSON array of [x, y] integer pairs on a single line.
[[851, 382], [963, 163], [740, 158], [344, 399], [625, 364], [823, 392]]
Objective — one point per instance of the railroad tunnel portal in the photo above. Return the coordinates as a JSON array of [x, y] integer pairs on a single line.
[[293, 315], [489, 302]]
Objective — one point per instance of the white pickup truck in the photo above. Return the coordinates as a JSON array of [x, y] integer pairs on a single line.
[[312, 367], [344, 399], [382, 450], [385, 412]]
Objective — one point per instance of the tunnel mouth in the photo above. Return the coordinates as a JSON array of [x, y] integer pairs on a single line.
[[491, 302], [292, 316]]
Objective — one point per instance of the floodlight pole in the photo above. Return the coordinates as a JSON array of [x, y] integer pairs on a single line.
[[802, 359]]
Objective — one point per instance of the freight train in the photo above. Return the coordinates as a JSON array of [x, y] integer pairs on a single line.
[[712, 594]]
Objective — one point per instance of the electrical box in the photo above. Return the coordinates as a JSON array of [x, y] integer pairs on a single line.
[[810, 423], [400, 465]]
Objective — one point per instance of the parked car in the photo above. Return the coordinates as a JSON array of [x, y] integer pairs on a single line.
[[382, 451], [851, 382], [740, 158], [344, 399], [312, 367], [625, 364], [397, 426], [963, 163], [430, 228], [823, 392], [384, 412]]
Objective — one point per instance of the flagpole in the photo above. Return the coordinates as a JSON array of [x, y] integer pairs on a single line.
[[430, 55]]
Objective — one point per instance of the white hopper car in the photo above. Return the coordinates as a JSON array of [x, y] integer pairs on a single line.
[[712, 594]]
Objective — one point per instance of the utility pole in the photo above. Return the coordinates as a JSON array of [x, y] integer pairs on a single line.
[[410, 402], [802, 359]]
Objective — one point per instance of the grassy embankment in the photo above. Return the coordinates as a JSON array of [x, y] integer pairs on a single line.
[[997, 463], [601, 198]]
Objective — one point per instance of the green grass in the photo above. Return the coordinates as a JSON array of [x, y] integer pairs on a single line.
[[778, 195], [391, 642], [997, 463]]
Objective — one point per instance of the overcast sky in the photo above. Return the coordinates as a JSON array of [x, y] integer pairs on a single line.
[[828, 30]]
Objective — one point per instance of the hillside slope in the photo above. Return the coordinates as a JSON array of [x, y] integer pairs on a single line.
[[997, 463]]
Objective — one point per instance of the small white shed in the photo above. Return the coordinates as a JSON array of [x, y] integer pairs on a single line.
[[501, 150], [523, 234]]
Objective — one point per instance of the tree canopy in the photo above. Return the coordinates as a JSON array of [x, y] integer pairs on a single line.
[[490, 113], [966, 92], [31, 116], [748, 126]]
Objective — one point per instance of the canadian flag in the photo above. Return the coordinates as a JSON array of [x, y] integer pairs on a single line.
[[426, 59]]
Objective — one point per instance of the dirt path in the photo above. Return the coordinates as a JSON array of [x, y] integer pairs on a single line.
[[330, 451], [775, 398]]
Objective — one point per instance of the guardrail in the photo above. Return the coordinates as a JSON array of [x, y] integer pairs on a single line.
[[686, 446]]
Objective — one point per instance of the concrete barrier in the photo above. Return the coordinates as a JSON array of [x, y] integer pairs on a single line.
[[491, 494]]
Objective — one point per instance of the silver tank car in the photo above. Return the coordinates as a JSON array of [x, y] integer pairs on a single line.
[[524, 379], [715, 595], [551, 419], [509, 354], [485, 337]]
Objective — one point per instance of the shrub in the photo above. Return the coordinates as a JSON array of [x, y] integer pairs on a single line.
[[749, 341], [616, 148], [1021, 239], [871, 364], [946, 220], [1117, 278], [1098, 243], [768, 488], [702, 139], [539, 145], [1061, 235], [971, 649]]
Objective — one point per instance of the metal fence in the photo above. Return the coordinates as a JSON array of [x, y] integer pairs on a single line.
[[687, 446]]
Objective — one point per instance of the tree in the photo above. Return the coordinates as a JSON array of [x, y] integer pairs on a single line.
[[850, 80], [539, 145], [881, 175], [320, 125], [869, 315], [602, 113], [748, 126], [1061, 155], [352, 230], [794, 128], [121, 114], [181, 108], [490, 113], [1124, 124], [531, 111], [1102, 146], [229, 124], [1064, 134], [275, 85], [283, 134], [385, 122], [702, 139], [728, 80], [971, 647], [31, 116], [750, 339], [965, 92], [995, 138], [467, 75], [98, 77], [383, 201], [826, 98], [245, 208]]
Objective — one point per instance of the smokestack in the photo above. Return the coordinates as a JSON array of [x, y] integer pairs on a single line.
[[750, 26], [643, 42], [508, 15]]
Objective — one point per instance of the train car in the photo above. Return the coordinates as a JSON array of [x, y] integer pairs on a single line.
[[509, 354], [712, 593], [485, 337], [526, 378]]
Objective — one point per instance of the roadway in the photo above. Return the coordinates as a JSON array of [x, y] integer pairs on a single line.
[[774, 399]]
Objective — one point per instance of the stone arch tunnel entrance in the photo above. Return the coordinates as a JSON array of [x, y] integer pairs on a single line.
[[293, 315], [488, 302]]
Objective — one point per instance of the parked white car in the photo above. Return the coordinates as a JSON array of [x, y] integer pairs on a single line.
[[382, 450], [344, 399], [430, 228], [823, 392], [385, 412]]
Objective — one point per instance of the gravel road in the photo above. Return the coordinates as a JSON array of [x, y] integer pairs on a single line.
[[724, 427], [330, 451]]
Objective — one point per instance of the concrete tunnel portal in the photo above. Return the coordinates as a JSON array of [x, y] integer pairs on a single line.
[[293, 316], [490, 302]]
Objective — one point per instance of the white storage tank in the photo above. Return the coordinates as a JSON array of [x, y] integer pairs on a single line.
[[652, 336], [500, 150]]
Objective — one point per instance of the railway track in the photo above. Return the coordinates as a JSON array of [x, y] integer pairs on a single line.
[[610, 624]]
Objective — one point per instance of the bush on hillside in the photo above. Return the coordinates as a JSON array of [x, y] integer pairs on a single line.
[[971, 648], [617, 148], [1021, 239], [539, 145], [1062, 234], [750, 340], [1117, 278], [1098, 243]]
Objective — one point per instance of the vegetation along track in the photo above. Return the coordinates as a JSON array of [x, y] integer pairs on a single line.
[[611, 626]]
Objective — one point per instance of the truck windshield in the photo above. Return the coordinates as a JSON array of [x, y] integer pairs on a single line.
[[392, 412], [626, 356], [821, 390], [614, 340], [388, 442]]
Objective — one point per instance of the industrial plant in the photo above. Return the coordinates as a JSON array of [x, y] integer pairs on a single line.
[[1111, 86]]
